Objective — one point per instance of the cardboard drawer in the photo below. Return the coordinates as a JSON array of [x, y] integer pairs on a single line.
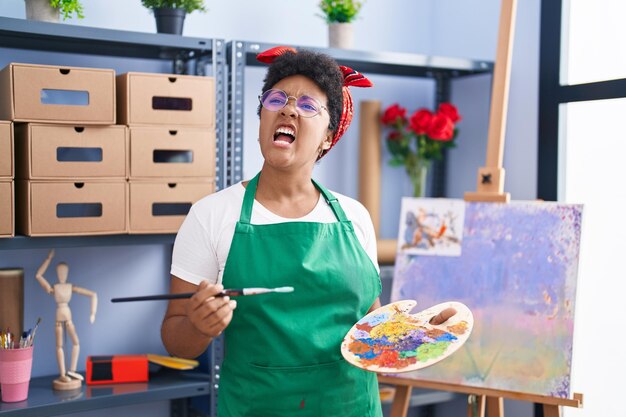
[[68, 208], [165, 99], [6, 209], [161, 207], [172, 152], [52, 94], [6, 150], [71, 152]]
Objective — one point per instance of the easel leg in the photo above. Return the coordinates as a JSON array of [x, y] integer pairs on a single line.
[[401, 399], [495, 407], [551, 411], [476, 405]]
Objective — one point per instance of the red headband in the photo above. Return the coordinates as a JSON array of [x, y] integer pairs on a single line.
[[351, 78]]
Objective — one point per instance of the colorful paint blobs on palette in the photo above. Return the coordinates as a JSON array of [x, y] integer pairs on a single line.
[[390, 339]]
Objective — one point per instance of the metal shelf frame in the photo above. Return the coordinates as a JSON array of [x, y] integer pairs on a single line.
[[25, 242], [197, 56], [162, 386], [241, 54]]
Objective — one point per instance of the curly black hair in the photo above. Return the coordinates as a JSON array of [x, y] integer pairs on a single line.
[[320, 68]]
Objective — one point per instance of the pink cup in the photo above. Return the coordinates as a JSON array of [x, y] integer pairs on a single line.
[[15, 367]]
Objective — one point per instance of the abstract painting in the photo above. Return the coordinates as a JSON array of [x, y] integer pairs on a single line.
[[431, 226], [516, 271]]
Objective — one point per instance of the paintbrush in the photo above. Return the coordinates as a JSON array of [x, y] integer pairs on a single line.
[[228, 292]]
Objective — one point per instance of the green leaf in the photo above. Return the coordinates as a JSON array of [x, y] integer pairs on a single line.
[[340, 11], [188, 5], [67, 8]]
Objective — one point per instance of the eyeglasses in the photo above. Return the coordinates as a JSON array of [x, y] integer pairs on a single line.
[[275, 99]]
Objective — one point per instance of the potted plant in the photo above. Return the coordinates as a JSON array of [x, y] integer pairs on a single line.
[[339, 14], [170, 14], [50, 10]]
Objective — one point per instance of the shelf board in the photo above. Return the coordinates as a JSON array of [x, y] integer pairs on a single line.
[[388, 63], [47, 242], [164, 385], [59, 37]]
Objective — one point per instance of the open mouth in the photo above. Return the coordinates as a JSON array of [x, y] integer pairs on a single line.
[[285, 134]]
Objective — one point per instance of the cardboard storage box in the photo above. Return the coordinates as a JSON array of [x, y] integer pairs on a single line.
[[172, 152], [161, 207], [68, 208], [51, 94], [6, 209], [6, 150], [165, 99], [70, 152]]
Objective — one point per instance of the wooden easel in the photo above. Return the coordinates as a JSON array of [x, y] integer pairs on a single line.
[[488, 402], [490, 188]]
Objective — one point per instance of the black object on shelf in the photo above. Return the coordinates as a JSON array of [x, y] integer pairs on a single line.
[[163, 385]]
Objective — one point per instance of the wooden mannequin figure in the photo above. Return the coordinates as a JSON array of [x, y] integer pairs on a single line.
[[62, 292]]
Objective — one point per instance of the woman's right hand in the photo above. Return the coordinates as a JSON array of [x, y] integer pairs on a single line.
[[209, 314]]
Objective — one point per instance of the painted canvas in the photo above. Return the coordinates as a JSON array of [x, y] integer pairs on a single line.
[[516, 270]]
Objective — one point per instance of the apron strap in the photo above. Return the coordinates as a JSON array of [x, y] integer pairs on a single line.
[[332, 202], [248, 201]]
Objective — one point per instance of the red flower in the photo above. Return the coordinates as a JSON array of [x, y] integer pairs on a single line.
[[449, 110], [394, 136], [420, 121], [441, 128], [392, 114]]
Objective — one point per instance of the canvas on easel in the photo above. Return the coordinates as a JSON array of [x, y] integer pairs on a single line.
[[516, 270]]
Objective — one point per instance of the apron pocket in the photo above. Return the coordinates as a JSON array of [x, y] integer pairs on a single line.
[[331, 389]]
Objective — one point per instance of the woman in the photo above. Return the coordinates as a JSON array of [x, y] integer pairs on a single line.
[[282, 229]]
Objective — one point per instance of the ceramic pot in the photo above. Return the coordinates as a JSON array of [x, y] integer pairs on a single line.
[[340, 35], [41, 10]]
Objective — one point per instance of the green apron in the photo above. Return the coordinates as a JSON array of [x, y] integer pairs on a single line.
[[283, 351]]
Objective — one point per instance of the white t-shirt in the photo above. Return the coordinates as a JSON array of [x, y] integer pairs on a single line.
[[204, 239]]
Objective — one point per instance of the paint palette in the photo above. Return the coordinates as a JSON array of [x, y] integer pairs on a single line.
[[391, 340]]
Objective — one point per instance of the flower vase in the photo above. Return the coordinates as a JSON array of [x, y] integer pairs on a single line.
[[418, 173]]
